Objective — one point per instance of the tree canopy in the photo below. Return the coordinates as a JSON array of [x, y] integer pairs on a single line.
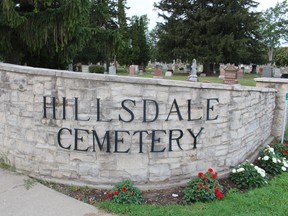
[[209, 30], [274, 27], [45, 33]]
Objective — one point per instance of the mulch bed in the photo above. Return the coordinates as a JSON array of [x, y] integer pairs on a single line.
[[156, 197]]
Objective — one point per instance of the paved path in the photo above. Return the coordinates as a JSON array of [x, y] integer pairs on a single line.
[[39, 200]]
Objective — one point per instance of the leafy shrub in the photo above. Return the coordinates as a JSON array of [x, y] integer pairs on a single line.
[[247, 176], [271, 162], [281, 149], [126, 192], [205, 187], [96, 69]]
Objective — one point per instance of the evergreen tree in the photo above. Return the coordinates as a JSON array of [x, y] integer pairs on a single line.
[[123, 48], [44, 33], [211, 31], [139, 42]]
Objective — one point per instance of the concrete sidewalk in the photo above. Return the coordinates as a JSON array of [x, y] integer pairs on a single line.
[[16, 200]]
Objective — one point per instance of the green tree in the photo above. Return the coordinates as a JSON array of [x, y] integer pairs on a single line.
[[274, 27], [139, 42], [211, 31], [123, 45], [281, 57], [43, 33]]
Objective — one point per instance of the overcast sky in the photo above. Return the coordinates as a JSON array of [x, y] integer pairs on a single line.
[[141, 7]]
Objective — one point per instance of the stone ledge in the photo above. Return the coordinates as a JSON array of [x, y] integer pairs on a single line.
[[127, 79]]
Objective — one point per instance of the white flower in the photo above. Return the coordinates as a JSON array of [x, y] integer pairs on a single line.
[[271, 149], [283, 168], [274, 160], [266, 157], [279, 161], [174, 195], [260, 171], [259, 158], [285, 163], [240, 169], [234, 171]]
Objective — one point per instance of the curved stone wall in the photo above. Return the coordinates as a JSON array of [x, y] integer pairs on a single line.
[[99, 129]]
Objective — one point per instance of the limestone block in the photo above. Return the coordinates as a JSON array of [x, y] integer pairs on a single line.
[[159, 172]]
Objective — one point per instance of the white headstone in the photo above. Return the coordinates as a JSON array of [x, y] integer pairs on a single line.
[[277, 72], [168, 73], [112, 70], [85, 68]]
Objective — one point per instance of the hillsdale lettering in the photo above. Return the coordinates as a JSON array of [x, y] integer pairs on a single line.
[[174, 135]]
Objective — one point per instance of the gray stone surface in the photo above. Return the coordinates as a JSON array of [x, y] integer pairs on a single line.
[[29, 141], [22, 196]]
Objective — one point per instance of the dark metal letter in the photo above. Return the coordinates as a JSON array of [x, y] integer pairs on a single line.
[[59, 138]]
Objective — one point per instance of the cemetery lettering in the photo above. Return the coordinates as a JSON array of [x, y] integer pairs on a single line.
[[112, 139]]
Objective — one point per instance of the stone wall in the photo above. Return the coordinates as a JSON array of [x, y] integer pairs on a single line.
[[106, 128], [281, 85]]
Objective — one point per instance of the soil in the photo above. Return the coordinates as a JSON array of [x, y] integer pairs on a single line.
[[156, 197]]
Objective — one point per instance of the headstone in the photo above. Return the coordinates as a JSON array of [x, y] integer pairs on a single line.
[[131, 70], [136, 69], [168, 73], [267, 72], [193, 75], [231, 74], [277, 73], [222, 73], [85, 68], [157, 72], [70, 67], [200, 68], [112, 70], [240, 73]]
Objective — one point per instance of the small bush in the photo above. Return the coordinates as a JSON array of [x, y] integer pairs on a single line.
[[247, 176], [204, 188], [271, 162], [126, 192], [96, 69]]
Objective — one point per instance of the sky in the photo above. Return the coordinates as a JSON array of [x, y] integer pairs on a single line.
[[142, 7]]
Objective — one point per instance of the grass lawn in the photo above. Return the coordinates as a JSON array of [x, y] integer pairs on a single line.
[[268, 200], [248, 79]]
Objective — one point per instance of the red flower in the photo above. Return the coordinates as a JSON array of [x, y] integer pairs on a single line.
[[205, 178], [217, 184], [124, 188], [131, 193], [217, 190], [109, 195], [115, 192], [200, 174], [284, 151], [197, 188], [142, 192], [210, 170], [214, 175], [219, 195], [201, 185]]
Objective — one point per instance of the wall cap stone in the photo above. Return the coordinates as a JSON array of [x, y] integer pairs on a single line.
[[126, 79], [273, 80]]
